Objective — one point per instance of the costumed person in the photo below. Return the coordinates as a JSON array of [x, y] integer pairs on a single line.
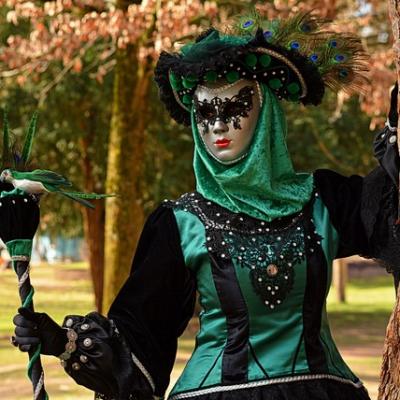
[[256, 239]]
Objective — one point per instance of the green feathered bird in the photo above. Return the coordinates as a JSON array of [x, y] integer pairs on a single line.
[[42, 181]]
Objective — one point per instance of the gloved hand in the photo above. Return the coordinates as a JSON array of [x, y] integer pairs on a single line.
[[385, 144], [32, 328]]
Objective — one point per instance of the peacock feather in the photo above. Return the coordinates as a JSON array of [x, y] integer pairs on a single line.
[[340, 58]]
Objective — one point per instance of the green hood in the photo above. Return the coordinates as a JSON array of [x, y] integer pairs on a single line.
[[264, 184]]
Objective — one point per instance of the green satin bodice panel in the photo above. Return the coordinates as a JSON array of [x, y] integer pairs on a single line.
[[276, 335]]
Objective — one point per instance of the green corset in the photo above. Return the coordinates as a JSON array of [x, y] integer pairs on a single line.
[[263, 291]]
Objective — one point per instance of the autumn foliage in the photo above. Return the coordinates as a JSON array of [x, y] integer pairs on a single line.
[[64, 30]]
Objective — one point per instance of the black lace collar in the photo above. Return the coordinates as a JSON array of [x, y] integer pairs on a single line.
[[215, 216]]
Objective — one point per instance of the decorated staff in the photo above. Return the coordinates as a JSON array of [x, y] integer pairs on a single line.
[[20, 191], [18, 239]]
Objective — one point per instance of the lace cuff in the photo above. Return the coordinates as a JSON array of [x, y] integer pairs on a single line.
[[98, 358]]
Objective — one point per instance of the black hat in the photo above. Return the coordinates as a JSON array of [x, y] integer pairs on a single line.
[[296, 58]]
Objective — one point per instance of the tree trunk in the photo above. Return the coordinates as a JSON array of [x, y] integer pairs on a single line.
[[124, 213], [94, 232], [93, 223], [389, 388], [340, 276]]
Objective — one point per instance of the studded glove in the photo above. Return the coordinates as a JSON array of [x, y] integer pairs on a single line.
[[32, 328], [385, 144]]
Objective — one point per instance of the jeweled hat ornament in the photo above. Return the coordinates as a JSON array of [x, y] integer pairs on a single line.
[[296, 57]]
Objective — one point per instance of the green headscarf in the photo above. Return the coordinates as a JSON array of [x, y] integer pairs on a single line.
[[264, 184]]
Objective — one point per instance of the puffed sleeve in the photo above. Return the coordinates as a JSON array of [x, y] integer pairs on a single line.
[[130, 354], [364, 210]]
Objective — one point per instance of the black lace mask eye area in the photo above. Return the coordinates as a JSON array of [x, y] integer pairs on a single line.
[[226, 110]]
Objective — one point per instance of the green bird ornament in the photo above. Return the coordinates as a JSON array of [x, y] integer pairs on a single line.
[[42, 181]]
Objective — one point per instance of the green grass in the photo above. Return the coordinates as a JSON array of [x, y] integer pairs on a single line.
[[358, 327], [60, 289]]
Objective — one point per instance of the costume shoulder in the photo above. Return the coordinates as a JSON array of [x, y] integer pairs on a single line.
[[160, 227], [364, 211]]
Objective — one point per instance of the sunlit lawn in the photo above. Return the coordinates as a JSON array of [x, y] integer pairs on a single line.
[[358, 326]]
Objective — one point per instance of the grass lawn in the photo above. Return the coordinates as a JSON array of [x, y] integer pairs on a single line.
[[358, 327]]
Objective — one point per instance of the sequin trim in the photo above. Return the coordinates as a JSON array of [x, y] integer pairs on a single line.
[[217, 389]]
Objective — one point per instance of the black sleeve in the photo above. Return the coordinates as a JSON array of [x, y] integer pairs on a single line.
[[364, 213], [137, 343]]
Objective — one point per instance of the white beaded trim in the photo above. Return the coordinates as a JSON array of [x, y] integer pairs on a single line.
[[289, 64], [265, 382], [144, 371]]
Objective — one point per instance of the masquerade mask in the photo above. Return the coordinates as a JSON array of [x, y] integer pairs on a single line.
[[226, 118], [226, 110]]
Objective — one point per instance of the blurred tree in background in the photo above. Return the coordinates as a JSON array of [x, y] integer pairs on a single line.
[[88, 66]]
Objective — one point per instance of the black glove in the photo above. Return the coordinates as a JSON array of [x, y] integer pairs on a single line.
[[32, 328], [385, 144]]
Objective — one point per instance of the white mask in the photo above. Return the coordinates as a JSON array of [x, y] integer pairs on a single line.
[[227, 117]]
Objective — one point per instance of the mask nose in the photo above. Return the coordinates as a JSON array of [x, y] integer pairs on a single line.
[[220, 127]]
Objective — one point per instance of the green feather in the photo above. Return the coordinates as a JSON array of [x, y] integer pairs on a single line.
[[80, 197], [30, 134], [43, 176], [342, 66], [6, 138], [247, 24], [92, 196], [79, 200]]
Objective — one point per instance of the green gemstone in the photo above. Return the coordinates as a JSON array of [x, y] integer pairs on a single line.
[[188, 84], [187, 99], [210, 76], [265, 60], [293, 88], [275, 83], [251, 60], [232, 76], [294, 97]]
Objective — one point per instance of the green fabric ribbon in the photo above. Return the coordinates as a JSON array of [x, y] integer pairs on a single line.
[[264, 184], [20, 247]]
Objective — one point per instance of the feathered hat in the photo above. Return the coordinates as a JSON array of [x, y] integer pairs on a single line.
[[296, 57]]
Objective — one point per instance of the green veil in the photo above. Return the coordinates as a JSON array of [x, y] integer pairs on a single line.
[[264, 184]]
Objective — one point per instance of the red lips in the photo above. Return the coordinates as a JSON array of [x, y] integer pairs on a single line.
[[222, 142]]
